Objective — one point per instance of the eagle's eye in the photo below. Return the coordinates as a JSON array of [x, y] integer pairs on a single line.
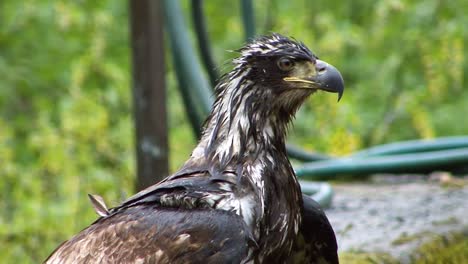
[[285, 64]]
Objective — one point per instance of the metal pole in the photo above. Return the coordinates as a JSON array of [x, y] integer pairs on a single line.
[[149, 94]]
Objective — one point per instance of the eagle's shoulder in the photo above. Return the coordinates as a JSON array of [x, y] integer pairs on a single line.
[[187, 189]]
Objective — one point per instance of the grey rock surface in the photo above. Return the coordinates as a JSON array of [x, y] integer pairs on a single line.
[[396, 214]]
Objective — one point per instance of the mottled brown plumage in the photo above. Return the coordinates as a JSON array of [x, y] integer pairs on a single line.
[[236, 200]]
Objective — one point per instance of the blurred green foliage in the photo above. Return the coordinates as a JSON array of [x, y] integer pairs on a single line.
[[65, 100]]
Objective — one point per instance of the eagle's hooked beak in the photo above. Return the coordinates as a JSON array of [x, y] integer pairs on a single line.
[[329, 78], [325, 77]]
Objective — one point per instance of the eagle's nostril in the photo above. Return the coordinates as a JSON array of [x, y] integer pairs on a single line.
[[321, 66]]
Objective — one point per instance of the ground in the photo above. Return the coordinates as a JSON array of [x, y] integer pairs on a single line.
[[398, 217]]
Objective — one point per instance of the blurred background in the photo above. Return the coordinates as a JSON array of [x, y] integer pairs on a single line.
[[66, 124]]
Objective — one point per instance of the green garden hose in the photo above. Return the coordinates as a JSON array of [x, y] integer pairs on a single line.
[[421, 162]]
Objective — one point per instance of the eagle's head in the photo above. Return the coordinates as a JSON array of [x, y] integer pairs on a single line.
[[256, 100], [281, 73]]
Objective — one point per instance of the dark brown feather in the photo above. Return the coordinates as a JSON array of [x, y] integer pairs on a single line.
[[98, 204]]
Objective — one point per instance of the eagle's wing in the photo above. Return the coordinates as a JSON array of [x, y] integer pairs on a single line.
[[151, 234], [316, 241], [170, 222]]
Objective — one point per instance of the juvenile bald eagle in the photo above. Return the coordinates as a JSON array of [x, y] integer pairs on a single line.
[[237, 199]]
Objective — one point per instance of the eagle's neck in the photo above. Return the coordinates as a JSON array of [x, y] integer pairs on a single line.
[[246, 134], [241, 126]]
